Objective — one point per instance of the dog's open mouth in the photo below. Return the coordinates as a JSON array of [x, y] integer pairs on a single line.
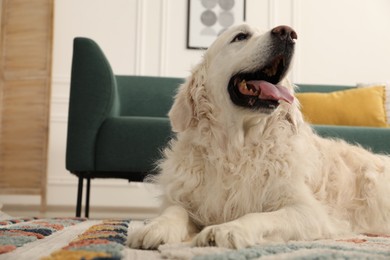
[[260, 89]]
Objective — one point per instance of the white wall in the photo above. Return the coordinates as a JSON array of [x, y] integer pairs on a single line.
[[339, 42], [342, 41]]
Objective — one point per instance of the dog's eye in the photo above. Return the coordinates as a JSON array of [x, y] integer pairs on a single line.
[[240, 37]]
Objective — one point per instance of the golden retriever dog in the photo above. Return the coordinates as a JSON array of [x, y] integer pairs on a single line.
[[245, 168]]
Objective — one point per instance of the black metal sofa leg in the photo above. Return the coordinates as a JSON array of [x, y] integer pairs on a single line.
[[87, 197], [79, 197]]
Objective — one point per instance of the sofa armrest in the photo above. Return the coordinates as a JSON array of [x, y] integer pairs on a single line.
[[93, 97], [375, 139], [132, 144]]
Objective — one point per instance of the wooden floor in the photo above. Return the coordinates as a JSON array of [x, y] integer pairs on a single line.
[[67, 211]]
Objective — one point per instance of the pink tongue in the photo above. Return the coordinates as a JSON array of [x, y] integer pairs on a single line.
[[272, 92]]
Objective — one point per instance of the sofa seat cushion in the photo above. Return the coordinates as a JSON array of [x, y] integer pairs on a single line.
[[131, 144], [372, 138]]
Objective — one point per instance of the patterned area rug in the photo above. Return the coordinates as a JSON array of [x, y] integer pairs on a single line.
[[362, 247], [105, 240], [78, 238], [62, 238], [17, 232], [359, 247]]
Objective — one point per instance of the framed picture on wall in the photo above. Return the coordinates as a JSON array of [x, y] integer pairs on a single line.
[[209, 18]]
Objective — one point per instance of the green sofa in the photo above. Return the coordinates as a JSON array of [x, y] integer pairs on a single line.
[[117, 125]]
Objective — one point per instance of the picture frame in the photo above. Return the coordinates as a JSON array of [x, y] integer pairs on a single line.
[[209, 18]]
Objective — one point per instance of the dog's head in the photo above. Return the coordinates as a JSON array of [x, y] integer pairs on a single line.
[[242, 72]]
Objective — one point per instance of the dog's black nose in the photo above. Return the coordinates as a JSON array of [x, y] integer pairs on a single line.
[[285, 33]]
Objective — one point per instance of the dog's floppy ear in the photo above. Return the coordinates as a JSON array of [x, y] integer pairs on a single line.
[[183, 114], [182, 111]]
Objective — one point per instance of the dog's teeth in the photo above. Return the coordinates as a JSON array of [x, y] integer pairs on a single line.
[[243, 85], [243, 82]]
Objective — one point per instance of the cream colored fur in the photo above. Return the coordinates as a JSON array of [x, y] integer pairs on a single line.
[[234, 177]]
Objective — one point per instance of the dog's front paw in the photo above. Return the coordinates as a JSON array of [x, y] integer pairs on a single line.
[[157, 232], [228, 235]]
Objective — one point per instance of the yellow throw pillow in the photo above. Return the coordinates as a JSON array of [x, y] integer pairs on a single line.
[[353, 107]]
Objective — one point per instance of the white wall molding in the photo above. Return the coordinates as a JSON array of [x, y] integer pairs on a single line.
[[59, 118], [59, 99], [60, 86], [72, 180], [58, 111], [296, 24], [132, 212], [140, 38], [271, 13], [164, 37], [60, 79]]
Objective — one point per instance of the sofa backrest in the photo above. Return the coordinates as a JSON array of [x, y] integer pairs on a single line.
[[320, 88], [146, 96], [153, 96]]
